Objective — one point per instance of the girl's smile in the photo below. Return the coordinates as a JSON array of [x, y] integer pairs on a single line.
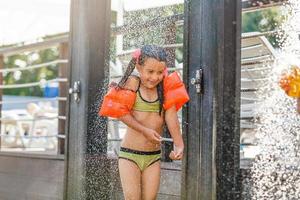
[[151, 73]]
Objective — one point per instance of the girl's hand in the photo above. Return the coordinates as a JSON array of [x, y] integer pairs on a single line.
[[177, 153], [152, 135]]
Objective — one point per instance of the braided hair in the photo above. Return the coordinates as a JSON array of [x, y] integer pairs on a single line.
[[147, 51]]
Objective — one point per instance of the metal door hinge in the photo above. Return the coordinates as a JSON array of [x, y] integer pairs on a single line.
[[197, 81], [75, 91]]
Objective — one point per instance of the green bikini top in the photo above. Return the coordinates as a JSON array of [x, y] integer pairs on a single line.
[[143, 105]]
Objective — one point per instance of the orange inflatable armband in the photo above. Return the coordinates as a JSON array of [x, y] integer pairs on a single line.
[[174, 92], [290, 83], [117, 103]]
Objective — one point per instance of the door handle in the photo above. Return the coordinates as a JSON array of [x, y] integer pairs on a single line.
[[197, 81], [76, 91]]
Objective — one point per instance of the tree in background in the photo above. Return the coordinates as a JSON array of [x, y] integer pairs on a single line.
[[32, 75], [263, 21]]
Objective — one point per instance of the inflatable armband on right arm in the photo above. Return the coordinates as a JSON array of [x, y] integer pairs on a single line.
[[117, 103]]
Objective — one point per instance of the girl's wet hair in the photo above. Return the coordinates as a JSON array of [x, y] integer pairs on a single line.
[[147, 51]]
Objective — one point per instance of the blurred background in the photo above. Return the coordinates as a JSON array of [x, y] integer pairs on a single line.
[[34, 70]]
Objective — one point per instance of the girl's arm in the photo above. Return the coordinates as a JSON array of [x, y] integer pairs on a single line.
[[174, 128], [131, 122]]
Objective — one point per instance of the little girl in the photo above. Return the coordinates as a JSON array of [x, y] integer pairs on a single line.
[[145, 103]]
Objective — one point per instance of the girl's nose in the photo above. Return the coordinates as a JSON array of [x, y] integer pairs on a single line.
[[156, 78]]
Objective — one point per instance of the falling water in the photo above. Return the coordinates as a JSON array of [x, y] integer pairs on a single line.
[[275, 173], [103, 171]]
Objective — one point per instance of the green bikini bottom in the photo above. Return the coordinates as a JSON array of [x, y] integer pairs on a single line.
[[142, 159]]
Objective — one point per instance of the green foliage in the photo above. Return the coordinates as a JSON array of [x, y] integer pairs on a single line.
[[32, 75], [263, 21]]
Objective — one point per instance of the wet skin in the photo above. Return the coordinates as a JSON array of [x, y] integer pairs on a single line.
[[151, 74]]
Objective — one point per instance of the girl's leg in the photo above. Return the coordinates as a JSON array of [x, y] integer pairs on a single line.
[[150, 181], [130, 176]]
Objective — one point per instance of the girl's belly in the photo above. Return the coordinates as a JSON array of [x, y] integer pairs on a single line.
[[136, 140]]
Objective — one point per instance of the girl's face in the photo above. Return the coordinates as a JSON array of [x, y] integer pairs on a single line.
[[151, 73]]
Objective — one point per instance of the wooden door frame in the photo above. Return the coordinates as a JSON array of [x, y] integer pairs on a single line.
[[211, 121], [86, 149]]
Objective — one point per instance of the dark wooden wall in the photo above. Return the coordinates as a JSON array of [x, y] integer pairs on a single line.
[[29, 178]]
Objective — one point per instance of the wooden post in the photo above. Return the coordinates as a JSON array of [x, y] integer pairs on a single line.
[[1, 92], [212, 44], [87, 165], [63, 72], [228, 95]]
